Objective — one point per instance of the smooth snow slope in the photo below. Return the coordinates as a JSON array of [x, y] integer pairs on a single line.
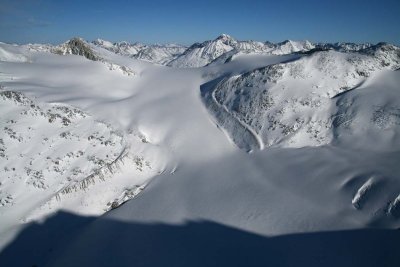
[[197, 171]]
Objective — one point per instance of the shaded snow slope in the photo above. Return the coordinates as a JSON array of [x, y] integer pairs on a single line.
[[195, 243], [313, 187]]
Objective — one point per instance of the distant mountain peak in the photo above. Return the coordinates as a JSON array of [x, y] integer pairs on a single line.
[[124, 43], [225, 47], [77, 46], [103, 43], [385, 46], [224, 36], [226, 39], [286, 41]]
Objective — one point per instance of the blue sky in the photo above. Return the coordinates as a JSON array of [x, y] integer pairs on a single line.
[[46, 21]]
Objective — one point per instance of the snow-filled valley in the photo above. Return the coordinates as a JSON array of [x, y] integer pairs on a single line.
[[111, 151]]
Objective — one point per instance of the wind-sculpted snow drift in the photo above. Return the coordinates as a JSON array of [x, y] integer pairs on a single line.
[[88, 126]]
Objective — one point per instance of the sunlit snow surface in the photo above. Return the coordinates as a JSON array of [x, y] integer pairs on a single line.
[[84, 137]]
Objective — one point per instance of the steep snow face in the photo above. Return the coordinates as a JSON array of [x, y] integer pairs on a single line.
[[299, 103]]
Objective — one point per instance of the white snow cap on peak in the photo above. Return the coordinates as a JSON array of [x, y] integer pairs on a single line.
[[103, 43], [225, 37]]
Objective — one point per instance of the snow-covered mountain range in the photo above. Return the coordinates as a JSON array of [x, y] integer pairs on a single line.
[[219, 50], [159, 54], [267, 139]]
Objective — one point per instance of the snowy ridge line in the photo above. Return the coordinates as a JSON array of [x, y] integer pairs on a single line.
[[394, 207], [236, 131], [125, 196], [349, 90], [99, 174], [361, 196], [245, 125]]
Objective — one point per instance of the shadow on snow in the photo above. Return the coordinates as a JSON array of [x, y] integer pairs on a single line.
[[71, 240]]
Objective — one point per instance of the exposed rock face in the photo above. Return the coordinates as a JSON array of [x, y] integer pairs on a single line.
[[77, 46]]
